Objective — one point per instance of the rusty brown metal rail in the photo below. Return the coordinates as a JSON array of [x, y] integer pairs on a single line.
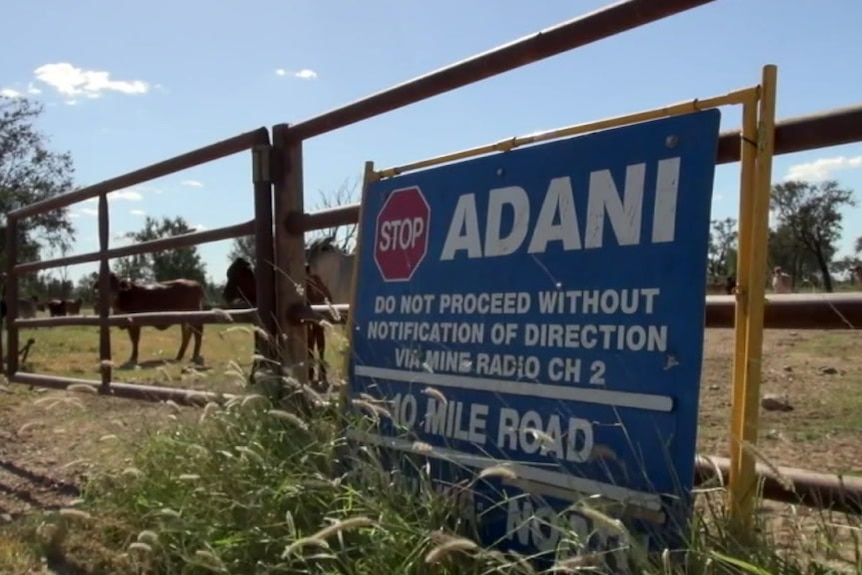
[[173, 242], [124, 390], [809, 132], [794, 311], [842, 494], [257, 141], [575, 33], [216, 316], [218, 150], [783, 311]]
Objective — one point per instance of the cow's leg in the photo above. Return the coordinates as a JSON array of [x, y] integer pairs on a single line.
[[134, 339], [320, 337], [198, 331], [185, 335], [309, 333]]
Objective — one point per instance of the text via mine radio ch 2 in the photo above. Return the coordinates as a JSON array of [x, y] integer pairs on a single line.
[[545, 308]]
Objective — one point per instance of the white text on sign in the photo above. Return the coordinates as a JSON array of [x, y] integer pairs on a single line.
[[558, 437], [604, 203], [401, 234]]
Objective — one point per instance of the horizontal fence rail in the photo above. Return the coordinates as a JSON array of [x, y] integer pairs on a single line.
[[575, 33], [216, 151], [124, 390], [216, 316], [842, 494], [797, 134], [173, 242], [782, 311], [258, 142]]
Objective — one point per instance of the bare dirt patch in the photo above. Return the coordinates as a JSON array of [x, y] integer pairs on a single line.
[[819, 374]]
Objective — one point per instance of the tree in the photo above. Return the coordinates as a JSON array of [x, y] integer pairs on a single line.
[[723, 245], [811, 215], [164, 264], [786, 251], [345, 236], [242, 247], [30, 172]]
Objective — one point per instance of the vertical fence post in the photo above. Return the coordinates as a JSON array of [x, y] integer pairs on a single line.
[[11, 296], [105, 367], [264, 248], [289, 253], [745, 486]]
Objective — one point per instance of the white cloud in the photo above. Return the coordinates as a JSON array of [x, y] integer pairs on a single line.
[[138, 212], [192, 183], [304, 74], [128, 194], [74, 215], [71, 81], [89, 211], [10, 93], [199, 228], [32, 89], [717, 197], [822, 168]]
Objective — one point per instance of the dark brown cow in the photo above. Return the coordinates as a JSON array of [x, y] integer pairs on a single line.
[[61, 307], [170, 295], [56, 307], [241, 284], [73, 306]]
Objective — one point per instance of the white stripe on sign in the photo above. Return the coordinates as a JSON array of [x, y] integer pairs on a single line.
[[559, 479], [560, 392]]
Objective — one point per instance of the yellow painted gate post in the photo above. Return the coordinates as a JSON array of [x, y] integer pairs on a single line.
[[754, 225]]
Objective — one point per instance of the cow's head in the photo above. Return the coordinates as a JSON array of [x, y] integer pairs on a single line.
[[240, 282]]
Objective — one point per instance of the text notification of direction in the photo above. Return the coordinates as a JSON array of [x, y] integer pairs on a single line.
[[543, 309]]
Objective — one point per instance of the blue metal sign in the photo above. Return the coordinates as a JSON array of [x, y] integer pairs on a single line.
[[540, 313]]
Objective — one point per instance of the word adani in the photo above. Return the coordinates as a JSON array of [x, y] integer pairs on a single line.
[[558, 204]]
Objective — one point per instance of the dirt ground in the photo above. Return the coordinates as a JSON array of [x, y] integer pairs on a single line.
[[50, 441]]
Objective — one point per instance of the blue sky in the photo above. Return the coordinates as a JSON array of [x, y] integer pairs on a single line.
[[127, 84]]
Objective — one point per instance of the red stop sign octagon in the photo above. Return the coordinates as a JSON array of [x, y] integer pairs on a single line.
[[401, 237]]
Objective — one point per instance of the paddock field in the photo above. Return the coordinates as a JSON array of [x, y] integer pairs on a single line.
[[818, 372], [51, 441]]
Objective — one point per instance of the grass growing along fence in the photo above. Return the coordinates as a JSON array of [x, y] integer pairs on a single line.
[[252, 487]]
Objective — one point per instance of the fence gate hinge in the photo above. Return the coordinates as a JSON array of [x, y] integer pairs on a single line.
[[262, 164]]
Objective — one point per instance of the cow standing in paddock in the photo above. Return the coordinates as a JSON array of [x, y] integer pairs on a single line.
[[62, 307], [172, 295], [726, 287], [27, 307], [241, 284], [781, 281], [56, 307], [73, 306]]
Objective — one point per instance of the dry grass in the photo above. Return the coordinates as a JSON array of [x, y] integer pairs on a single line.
[[66, 438]]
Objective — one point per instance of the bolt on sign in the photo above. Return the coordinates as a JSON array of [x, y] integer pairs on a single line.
[[546, 324]]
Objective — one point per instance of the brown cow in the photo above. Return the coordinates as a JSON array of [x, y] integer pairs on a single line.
[[61, 307], [56, 307], [73, 306], [171, 295], [241, 284], [726, 287]]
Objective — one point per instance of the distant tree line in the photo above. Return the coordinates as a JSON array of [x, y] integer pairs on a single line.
[[807, 226]]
